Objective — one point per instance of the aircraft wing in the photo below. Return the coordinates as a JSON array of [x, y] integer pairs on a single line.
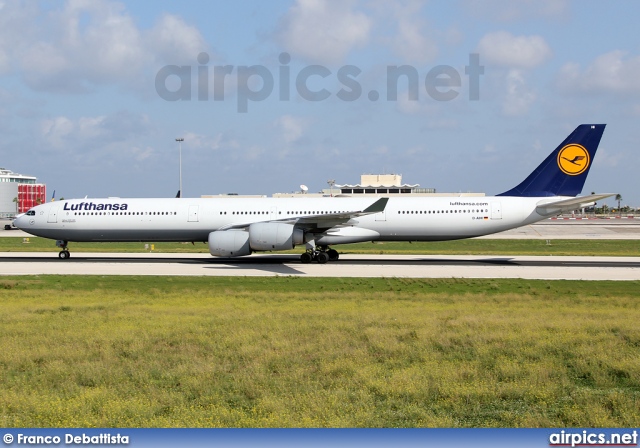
[[325, 221], [567, 205]]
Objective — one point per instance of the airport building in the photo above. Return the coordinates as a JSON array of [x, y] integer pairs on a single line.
[[382, 184], [18, 193], [386, 185]]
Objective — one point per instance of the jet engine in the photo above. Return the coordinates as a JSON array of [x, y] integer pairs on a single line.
[[229, 243], [261, 236], [274, 236]]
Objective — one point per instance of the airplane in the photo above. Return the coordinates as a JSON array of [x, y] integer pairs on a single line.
[[235, 227]]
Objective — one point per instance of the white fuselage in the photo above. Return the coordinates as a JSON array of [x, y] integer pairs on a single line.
[[184, 219]]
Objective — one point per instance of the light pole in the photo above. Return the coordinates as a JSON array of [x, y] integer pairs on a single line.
[[331, 183], [180, 140]]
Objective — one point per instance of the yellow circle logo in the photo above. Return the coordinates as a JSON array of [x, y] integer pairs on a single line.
[[573, 159]]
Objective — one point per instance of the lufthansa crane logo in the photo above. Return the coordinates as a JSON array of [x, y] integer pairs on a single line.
[[573, 159]]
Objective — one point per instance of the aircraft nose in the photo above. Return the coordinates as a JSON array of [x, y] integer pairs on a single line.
[[19, 221]]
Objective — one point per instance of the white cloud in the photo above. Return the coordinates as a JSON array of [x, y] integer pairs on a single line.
[[516, 55], [82, 44], [174, 41], [403, 28], [411, 41], [141, 154], [612, 159], [57, 131], [199, 141], [453, 36], [323, 32], [409, 106], [292, 128], [519, 98], [254, 153], [613, 72], [425, 105], [507, 50], [85, 135], [16, 20]]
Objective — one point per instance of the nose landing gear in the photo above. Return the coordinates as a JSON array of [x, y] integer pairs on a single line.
[[64, 254]]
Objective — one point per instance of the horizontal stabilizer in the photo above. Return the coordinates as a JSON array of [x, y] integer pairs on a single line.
[[567, 205]]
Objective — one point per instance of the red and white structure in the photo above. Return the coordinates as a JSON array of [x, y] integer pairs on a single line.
[[19, 193], [30, 195]]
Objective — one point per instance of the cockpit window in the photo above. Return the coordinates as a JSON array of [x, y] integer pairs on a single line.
[[31, 213]]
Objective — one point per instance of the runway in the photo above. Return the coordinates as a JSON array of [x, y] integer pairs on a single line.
[[408, 266], [419, 266]]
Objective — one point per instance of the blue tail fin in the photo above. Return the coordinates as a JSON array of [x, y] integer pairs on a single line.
[[563, 173]]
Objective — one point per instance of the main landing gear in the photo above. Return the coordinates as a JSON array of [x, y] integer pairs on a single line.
[[64, 253], [322, 254]]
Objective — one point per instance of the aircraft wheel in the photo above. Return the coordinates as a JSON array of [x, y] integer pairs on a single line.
[[64, 254], [305, 258], [322, 257], [333, 255]]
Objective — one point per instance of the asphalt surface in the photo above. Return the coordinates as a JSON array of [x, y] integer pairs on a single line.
[[482, 266], [545, 267]]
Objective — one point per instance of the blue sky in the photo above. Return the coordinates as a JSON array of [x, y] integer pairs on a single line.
[[80, 110]]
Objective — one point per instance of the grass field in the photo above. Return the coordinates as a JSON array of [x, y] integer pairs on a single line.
[[461, 247], [293, 352]]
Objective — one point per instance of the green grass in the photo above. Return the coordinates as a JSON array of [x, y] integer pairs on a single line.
[[461, 247], [293, 352]]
